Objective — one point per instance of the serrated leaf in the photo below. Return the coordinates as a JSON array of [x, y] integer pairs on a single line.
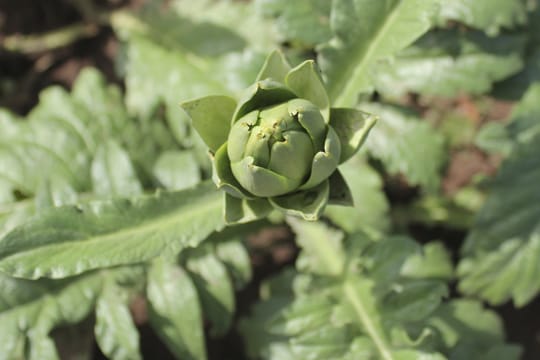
[[467, 330], [175, 313], [115, 332], [215, 289], [113, 174], [501, 252], [522, 128], [234, 255], [370, 210], [72, 239], [303, 23], [32, 309], [235, 16], [406, 144], [323, 247], [365, 32], [104, 101], [155, 75], [177, 170], [433, 262], [413, 300], [167, 50], [488, 15], [514, 87], [447, 63]]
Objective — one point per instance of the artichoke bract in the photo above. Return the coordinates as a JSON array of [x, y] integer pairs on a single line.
[[279, 147]]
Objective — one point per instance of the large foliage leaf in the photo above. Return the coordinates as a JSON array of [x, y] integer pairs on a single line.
[[115, 332], [175, 311], [522, 127], [302, 23], [192, 50], [72, 239], [29, 310], [353, 298], [446, 63], [501, 252], [113, 173], [72, 138], [370, 210], [487, 15], [514, 87], [365, 32], [406, 144], [215, 288]]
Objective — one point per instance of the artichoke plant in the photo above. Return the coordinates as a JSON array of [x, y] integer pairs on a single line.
[[280, 145]]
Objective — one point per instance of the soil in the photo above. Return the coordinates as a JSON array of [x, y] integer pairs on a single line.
[[24, 75]]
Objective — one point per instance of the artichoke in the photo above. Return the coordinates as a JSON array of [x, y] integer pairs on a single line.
[[280, 145]]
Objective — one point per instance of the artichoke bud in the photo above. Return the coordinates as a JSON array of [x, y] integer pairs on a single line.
[[282, 139]]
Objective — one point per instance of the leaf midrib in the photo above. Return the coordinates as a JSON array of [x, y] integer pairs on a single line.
[[364, 318], [355, 71], [145, 228]]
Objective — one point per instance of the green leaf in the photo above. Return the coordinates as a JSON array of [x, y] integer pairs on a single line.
[[366, 32], [340, 193], [177, 170], [488, 15], [234, 255], [113, 174], [72, 239], [302, 23], [370, 211], [223, 177], [14, 214], [115, 332], [308, 204], [467, 330], [306, 83], [323, 247], [238, 17], [406, 145], [30, 310], [503, 246], [175, 313], [155, 75], [433, 262], [315, 314], [522, 128], [275, 67], [239, 211], [514, 87], [167, 50], [352, 127], [447, 63], [211, 116], [215, 290], [105, 102]]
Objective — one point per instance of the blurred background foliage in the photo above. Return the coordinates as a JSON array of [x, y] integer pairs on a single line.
[[438, 259]]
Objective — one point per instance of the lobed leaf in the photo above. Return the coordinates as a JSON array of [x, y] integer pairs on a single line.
[[115, 332], [72, 239], [175, 312], [364, 33], [215, 289], [370, 211], [406, 145], [504, 242], [447, 63], [303, 23], [487, 15]]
